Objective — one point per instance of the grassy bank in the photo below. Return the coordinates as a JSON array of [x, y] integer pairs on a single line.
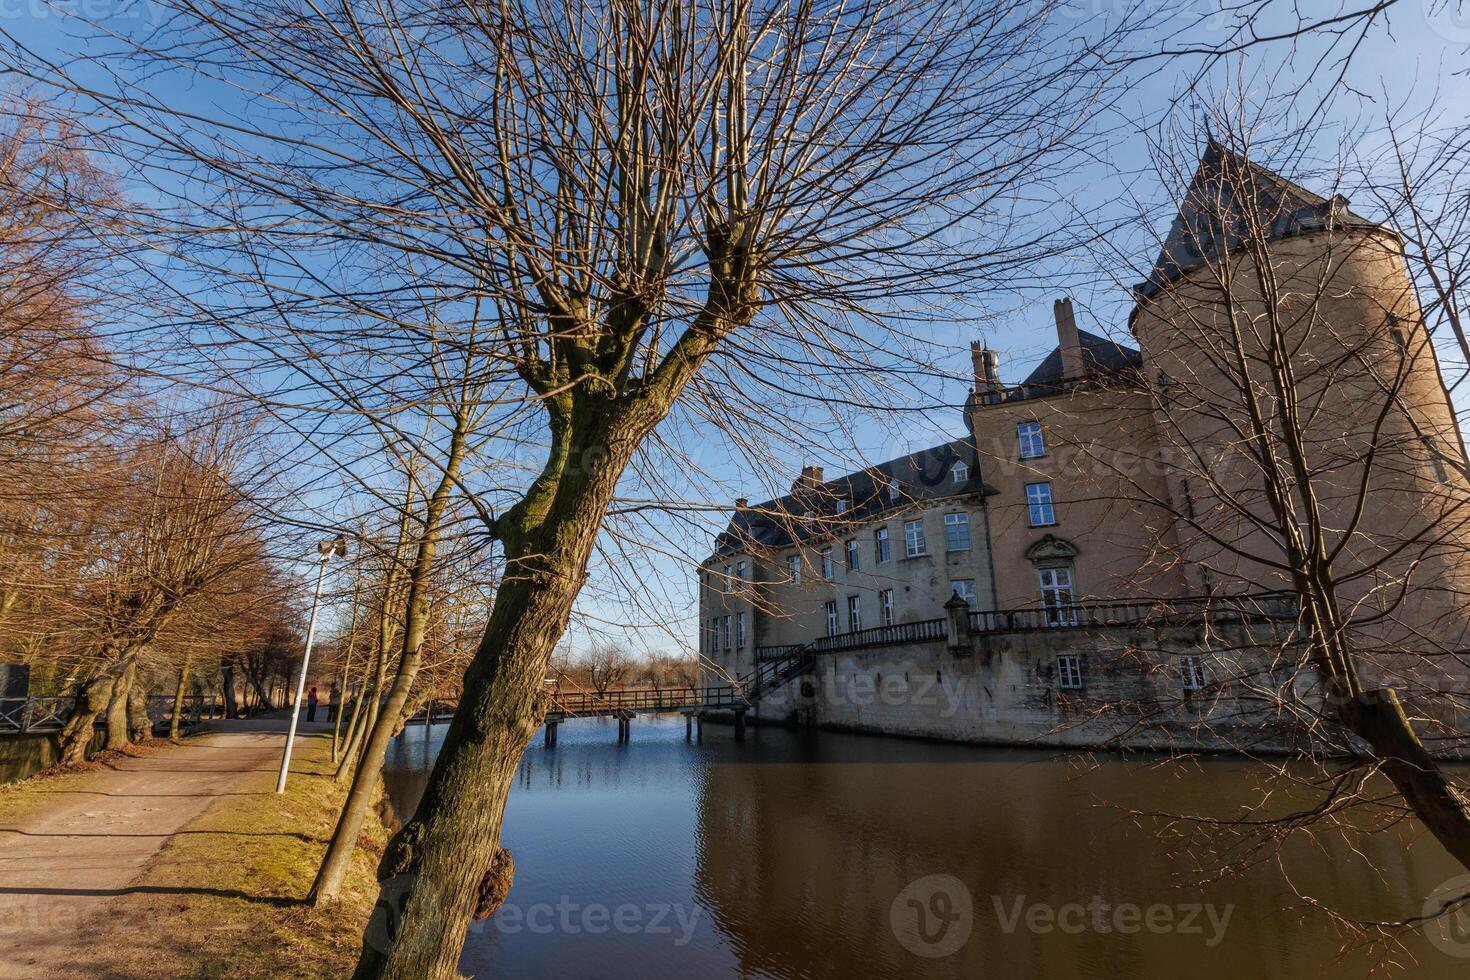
[[223, 897]]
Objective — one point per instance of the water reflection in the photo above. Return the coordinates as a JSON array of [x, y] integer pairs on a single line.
[[783, 856]]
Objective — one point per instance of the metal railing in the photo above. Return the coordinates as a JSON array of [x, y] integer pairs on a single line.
[[1263, 607], [1137, 612], [922, 631], [19, 716]]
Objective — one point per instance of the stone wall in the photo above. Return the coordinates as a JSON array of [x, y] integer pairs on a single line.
[[1007, 691]]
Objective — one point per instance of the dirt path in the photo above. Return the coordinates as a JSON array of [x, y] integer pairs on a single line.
[[65, 861]]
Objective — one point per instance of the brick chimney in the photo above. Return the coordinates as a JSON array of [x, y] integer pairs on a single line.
[[987, 368], [811, 477], [1068, 341]]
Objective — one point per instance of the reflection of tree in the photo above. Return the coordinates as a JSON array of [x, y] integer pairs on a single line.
[[799, 864]]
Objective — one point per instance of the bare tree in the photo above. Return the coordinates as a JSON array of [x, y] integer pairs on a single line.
[[608, 666], [623, 191]]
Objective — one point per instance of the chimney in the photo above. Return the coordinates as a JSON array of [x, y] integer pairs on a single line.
[[987, 368], [811, 477], [741, 503], [1068, 341]]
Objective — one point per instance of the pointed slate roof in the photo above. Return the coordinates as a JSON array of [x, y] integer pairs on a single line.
[[1099, 354], [1210, 218]]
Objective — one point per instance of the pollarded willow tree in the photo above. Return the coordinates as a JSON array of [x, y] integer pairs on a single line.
[[627, 190]]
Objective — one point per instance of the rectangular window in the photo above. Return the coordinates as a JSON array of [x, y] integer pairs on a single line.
[[740, 631], [1038, 502], [712, 635], [1028, 434], [832, 618], [880, 545], [827, 563], [965, 589], [740, 570], [957, 532], [793, 569], [1069, 672], [1056, 596], [853, 561], [726, 628], [893, 490], [854, 613], [885, 604], [1194, 673], [841, 505], [913, 539]]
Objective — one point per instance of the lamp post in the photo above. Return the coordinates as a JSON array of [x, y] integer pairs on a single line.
[[337, 546]]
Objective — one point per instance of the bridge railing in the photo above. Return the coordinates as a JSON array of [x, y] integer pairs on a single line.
[[1262, 607], [641, 699], [19, 716]]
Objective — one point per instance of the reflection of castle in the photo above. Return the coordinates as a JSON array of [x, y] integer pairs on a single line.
[[1106, 521], [800, 865]]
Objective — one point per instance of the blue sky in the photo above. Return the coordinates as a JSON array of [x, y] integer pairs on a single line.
[[1404, 66]]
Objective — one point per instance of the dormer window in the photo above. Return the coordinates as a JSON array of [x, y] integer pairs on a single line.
[[893, 490], [959, 472], [810, 515], [841, 505]]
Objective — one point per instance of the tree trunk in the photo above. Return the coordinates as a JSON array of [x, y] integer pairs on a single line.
[[92, 699], [435, 869], [365, 779], [140, 726], [1378, 718], [227, 677], [435, 877], [117, 710], [174, 730], [365, 716]]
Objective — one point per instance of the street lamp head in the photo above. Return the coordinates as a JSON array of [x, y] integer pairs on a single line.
[[335, 547]]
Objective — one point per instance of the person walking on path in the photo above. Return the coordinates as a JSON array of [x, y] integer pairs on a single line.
[[335, 693], [311, 705]]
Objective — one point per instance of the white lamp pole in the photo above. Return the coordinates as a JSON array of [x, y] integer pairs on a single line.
[[337, 546]]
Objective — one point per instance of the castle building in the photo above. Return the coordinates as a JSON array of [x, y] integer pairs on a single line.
[[1108, 554]]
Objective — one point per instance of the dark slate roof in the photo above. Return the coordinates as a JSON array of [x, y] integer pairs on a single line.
[[923, 475], [1209, 216], [1099, 354]]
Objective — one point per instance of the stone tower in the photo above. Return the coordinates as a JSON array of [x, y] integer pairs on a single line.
[[1289, 353]]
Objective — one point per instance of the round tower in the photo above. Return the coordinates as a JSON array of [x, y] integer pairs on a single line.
[[1299, 402]]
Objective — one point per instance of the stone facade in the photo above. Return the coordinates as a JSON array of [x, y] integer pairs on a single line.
[[1105, 525]]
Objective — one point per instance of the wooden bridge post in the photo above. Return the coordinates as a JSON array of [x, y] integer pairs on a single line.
[[551, 734], [739, 724], [699, 727], [689, 727]]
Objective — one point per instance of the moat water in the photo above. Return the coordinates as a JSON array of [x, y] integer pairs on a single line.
[[823, 855]]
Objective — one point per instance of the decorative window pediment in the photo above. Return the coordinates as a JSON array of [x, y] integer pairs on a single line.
[[1051, 549]]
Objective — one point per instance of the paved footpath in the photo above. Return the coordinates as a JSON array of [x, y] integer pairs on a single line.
[[61, 867]]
